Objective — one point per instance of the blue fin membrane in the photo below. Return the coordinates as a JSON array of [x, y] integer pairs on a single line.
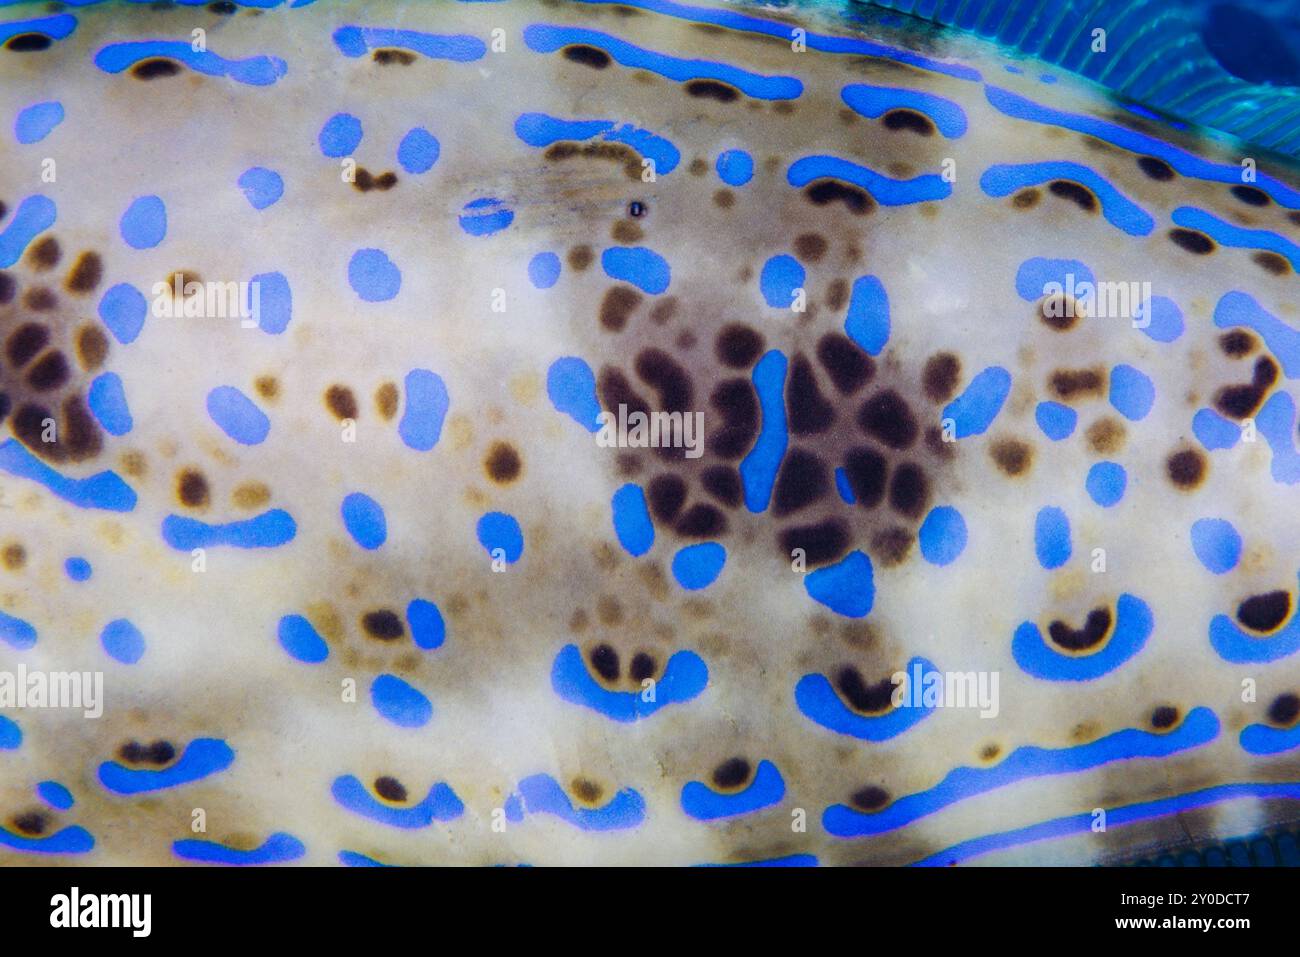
[[1223, 66]]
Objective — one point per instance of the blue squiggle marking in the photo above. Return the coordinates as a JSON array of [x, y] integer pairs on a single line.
[[1052, 537], [11, 736], [942, 535], [440, 804], [758, 468], [1235, 645], [237, 415], [123, 309], [1132, 628], [269, 530], [1217, 544], [400, 703], [885, 191], [364, 519], [734, 167], [875, 101], [55, 795], [684, 677], [571, 387], [104, 490], [1106, 483], [500, 531], [705, 804], [542, 794], [107, 401], [418, 151], [253, 71], [867, 319], [69, 840], [122, 641], [781, 280], [1239, 309], [632, 525], [642, 267], [16, 632], [56, 28], [1056, 420], [1120, 211], [373, 276], [1163, 319], [1132, 392], [202, 757], [34, 215], [1035, 275], [817, 700], [1276, 422], [846, 588], [1264, 739], [37, 121], [544, 270], [262, 187], [279, 848], [1214, 431], [428, 630], [354, 41], [301, 640], [974, 410], [485, 216], [1226, 234], [698, 566]]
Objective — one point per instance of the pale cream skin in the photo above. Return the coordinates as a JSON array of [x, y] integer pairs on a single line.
[[213, 666]]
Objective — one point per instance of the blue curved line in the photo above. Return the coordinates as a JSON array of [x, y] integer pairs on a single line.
[[542, 794], [705, 804], [276, 849], [874, 101], [1121, 212], [1133, 624], [1226, 234], [203, 757], [1235, 645], [440, 804], [883, 189], [818, 701], [685, 677]]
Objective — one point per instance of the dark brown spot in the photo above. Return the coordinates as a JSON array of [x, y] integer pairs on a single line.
[[837, 294], [45, 254], [86, 273], [29, 43], [625, 231], [580, 257], [386, 398], [155, 68], [1012, 456], [870, 798], [701, 521], [1165, 716], [1186, 468], [1156, 169], [1237, 343], [1095, 628], [192, 488], [617, 306], [667, 495], [1076, 193], [1106, 436], [1026, 198], [808, 412], [845, 362], [1272, 263], [1241, 401], [33, 823], [158, 753], [731, 774], [866, 471], [738, 346], [383, 624], [593, 57], [390, 789], [1250, 195], [604, 660], [1060, 312], [7, 288], [810, 247], [267, 386], [40, 299], [712, 90], [823, 192], [909, 491], [1265, 613], [901, 119], [802, 480], [820, 543], [25, 342], [341, 402], [225, 8], [503, 464], [49, 372], [1284, 710], [886, 417], [723, 483], [1068, 384], [940, 375], [1192, 241], [14, 556], [585, 790], [392, 57], [724, 199], [862, 697], [642, 666]]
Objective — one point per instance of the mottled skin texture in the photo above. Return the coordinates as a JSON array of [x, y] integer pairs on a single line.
[[213, 667]]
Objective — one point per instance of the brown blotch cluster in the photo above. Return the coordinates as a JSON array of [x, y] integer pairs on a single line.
[[365, 181], [602, 150], [1071, 384], [1241, 401]]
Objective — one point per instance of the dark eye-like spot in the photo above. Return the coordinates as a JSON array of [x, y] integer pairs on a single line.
[[393, 57], [390, 789], [1271, 263], [158, 753], [712, 90], [503, 464], [731, 774], [901, 119], [826, 191], [1156, 169], [1266, 612], [192, 488], [870, 798], [33, 823], [642, 666], [1186, 468], [383, 624], [1251, 195], [1192, 241], [868, 699], [701, 521], [636, 209], [1076, 193], [1284, 710], [29, 43], [845, 362], [1095, 628], [155, 68], [223, 8], [661, 372], [593, 57], [887, 417], [1237, 343], [604, 660], [738, 346], [341, 402], [1164, 717]]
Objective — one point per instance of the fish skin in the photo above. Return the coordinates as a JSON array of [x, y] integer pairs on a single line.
[[213, 667]]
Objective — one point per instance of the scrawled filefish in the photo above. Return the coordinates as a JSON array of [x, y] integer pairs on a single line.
[[641, 432]]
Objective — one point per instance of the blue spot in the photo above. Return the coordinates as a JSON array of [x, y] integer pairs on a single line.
[[11, 736], [340, 136], [643, 268], [684, 677], [15, 632], [1133, 625], [55, 795], [780, 281], [1057, 421], [497, 530], [123, 309], [276, 849], [262, 187], [418, 151], [237, 416], [942, 535], [1163, 319], [363, 517], [428, 630], [735, 167], [1217, 544], [37, 122], [846, 588], [34, 215], [975, 409], [1106, 483], [104, 490], [1052, 537], [123, 641], [144, 224], [372, 275], [270, 302], [1038, 276], [1214, 431], [485, 216], [1132, 392], [571, 386], [201, 758], [843, 487], [399, 703], [426, 407], [77, 568], [705, 804], [867, 319], [632, 522], [758, 468], [107, 401], [698, 566], [268, 530], [544, 270], [301, 640]]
